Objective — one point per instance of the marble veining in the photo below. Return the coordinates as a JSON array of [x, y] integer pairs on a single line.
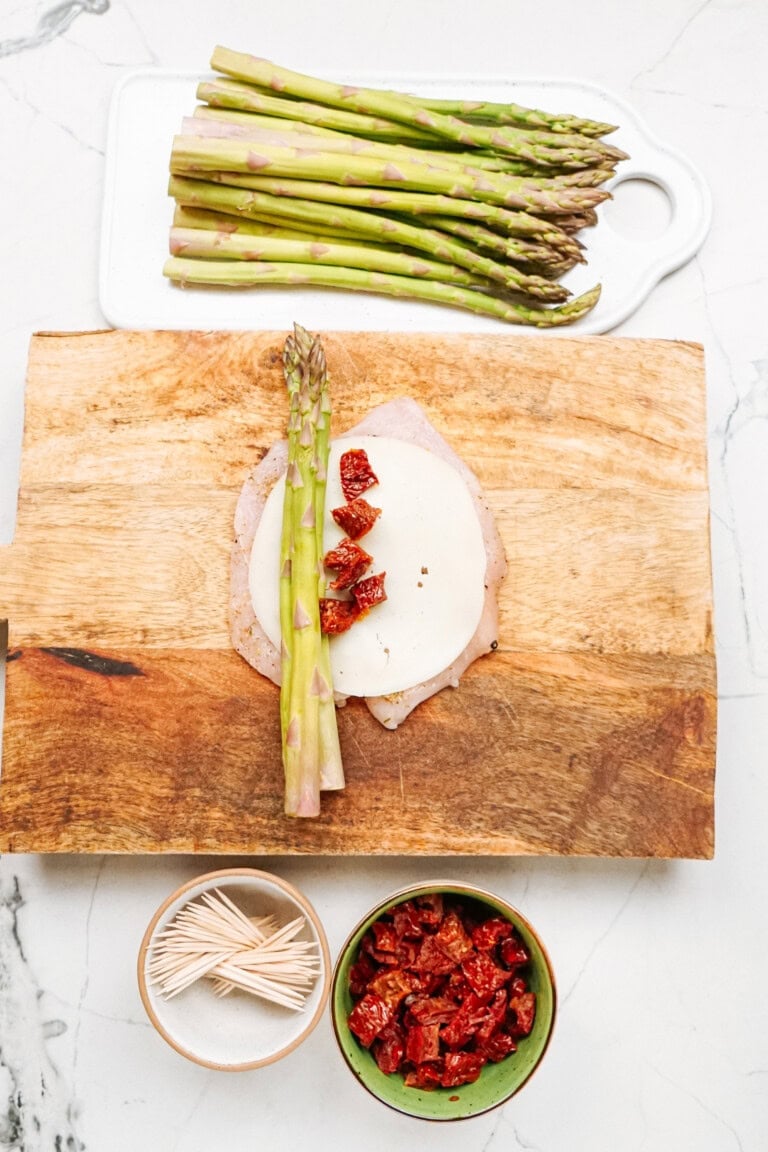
[[651, 68], [661, 1043], [749, 409], [641, 872], [36, 1104], [54, 22], [27, 103]]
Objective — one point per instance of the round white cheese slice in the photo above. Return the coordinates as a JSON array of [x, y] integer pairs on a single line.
[[429, 542]]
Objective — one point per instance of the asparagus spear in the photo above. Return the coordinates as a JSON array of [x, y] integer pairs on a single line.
[[297, 353], [331, 770], [231, 94], [408, 110], [199, 218], [235, 274], [479, 157], [509, 164], [584, 178], [299, 708], [203, 244], [292, 373], [515, 114], [424, 239], [305, 690], [520, 251], [226, 93], [408, 203], [530, 174], [532, 255], [294, 179], [210, 115], [265, 225], [578, 220], [231, 225], [195, 155], [294, 134]]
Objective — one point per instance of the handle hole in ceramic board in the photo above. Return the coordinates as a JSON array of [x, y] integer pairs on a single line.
[[640, 210]]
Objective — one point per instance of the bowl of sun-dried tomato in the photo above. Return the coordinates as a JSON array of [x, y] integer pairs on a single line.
[[443, 1001]]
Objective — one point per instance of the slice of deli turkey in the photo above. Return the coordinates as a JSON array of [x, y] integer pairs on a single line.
[[434, 514]]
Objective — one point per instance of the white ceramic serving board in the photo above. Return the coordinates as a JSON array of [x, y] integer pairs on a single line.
[[147, 110]]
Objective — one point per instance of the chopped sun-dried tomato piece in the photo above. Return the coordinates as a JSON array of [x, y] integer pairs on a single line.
[[356, 518], [453, 939], [368, 1017], [513, 952], [495, 1016], [463, 1025], [392, 985], [496, 1047], [457, 987], [369, 592], [389, 1048], [488, 934], [357, 476], [483, 975], [431, 958], [407, 951], [461, 1068], [430, 983], [432, 1009], [337, 615], [361, 972], [422, 1043], [426, 1077], [385, 936], [517, 986], [349, 560], [524, 1008], [407, 921], [430, 908], [368, 944]]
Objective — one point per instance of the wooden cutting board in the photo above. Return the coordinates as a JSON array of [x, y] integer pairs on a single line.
[[132, 726]]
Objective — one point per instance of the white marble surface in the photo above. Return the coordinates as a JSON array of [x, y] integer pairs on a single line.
[[662, 1039]]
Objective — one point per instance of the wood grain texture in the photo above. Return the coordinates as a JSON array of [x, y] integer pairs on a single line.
[[132, 726]]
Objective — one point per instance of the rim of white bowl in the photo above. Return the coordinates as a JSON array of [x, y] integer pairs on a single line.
[[223, 876]]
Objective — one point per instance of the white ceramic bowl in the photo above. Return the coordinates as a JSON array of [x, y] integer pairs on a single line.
[[239, 1031]]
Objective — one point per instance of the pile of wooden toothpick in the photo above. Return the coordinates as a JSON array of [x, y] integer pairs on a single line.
[[215, 939]]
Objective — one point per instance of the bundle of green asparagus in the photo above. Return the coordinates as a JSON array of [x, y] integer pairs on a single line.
[[281, 178], [311, 754]]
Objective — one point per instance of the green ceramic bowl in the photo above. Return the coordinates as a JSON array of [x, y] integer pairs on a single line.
[[497, 1082]]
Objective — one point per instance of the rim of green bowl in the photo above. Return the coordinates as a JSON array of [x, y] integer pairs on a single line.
[[470, 1100]]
